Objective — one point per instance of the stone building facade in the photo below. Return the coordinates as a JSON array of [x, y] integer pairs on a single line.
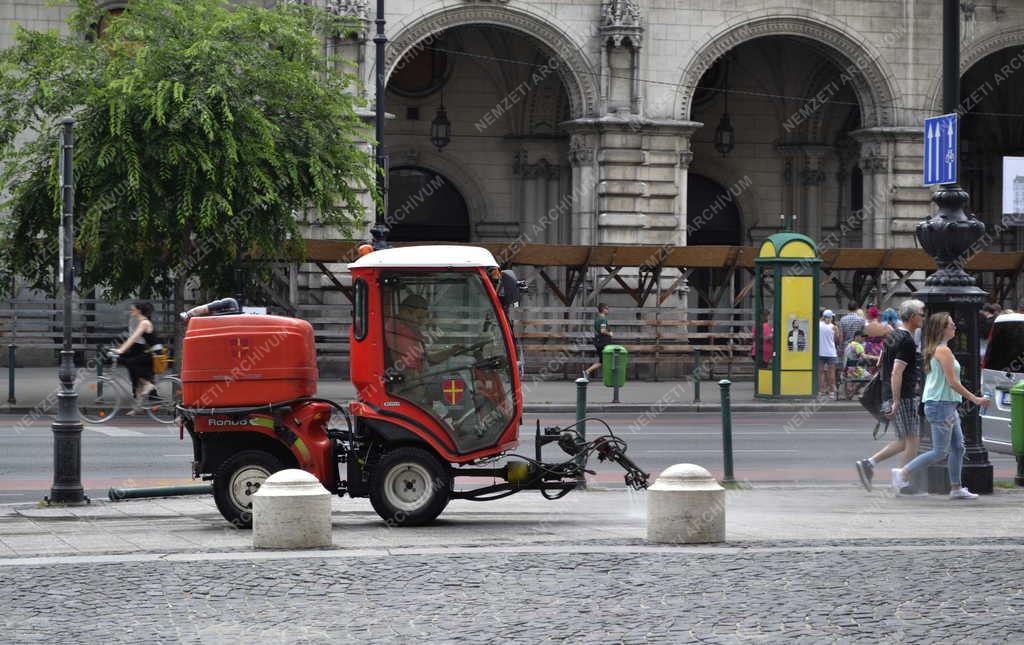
[[595, 121]]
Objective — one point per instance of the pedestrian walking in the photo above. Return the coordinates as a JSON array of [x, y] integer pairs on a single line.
[[850, 324], [828, 353], [602, 336], [767, 343], [942, 395], [900, 372]]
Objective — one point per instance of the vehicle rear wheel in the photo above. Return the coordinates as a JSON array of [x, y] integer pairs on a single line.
[[237, 480], [410, 487]]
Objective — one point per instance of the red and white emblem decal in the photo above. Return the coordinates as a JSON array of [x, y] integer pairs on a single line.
[[453, 389], [239, 346]]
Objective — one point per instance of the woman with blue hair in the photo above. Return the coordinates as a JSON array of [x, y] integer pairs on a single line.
[[890, 317]]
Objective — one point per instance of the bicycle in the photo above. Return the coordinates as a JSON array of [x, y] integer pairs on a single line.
[[102, 397]]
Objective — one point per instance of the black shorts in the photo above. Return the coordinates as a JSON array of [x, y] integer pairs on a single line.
[[600, 342]]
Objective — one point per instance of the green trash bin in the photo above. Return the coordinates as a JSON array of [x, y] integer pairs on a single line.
[[613, 365], [1017, 418]]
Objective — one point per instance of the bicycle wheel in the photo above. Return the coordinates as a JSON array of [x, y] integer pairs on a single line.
[[99, 398], [162, 402]]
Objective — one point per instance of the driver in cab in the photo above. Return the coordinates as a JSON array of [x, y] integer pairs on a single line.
[[405, 338]]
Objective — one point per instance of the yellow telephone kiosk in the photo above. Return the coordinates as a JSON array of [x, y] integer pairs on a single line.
[[786, 317]]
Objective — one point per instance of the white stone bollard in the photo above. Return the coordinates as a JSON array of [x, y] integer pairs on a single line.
[[685, 506], [291, 510]]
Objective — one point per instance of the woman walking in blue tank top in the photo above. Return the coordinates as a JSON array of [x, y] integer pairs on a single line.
[[942, 394]]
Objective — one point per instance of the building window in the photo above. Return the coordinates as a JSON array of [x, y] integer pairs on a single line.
[[359, 310]]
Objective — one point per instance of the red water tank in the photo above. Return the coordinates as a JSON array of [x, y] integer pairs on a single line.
[[247, 360]]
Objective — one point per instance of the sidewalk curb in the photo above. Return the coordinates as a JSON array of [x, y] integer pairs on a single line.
[[560, 408], [656, 407]]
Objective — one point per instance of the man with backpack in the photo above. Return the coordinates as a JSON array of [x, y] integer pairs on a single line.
[[900, 371]]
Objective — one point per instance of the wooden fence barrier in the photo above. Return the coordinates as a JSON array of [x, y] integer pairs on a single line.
[[557, 342]]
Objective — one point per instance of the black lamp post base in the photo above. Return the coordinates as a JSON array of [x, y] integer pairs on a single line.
[[1018, 479], [978, 478], [937, 478], [69, 497]]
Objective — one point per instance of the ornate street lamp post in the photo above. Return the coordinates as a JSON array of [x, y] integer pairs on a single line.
[[379, 231], [951, 236], [67, 425]]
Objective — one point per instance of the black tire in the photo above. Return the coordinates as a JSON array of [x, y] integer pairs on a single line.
[[237, 479], [410, 487]]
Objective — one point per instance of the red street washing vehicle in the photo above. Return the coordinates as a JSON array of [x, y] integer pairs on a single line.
[[434, 362]]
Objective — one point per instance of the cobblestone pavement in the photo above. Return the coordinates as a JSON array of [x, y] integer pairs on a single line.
[[812, 594]]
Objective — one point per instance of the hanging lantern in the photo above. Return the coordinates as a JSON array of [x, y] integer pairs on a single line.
[[725, 136], [441, 128]]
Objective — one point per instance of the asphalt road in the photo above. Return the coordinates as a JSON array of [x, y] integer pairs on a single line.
[[768, 446]]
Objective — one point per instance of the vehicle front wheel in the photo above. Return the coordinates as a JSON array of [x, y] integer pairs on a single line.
[[238, 479], [410, 487]]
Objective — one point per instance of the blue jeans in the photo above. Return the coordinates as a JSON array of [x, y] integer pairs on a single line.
[[947, 438]]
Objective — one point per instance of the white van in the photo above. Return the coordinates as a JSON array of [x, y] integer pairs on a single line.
[[1002, 366]]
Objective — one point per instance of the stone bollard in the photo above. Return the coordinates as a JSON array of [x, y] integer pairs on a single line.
[[291, 510], [685, 506]]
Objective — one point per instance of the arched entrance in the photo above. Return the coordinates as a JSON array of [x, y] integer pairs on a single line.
[[713, 218], [424, 206], [989, 131], [507, 81]]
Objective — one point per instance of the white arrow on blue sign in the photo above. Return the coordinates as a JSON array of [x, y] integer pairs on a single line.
[[940, 144]]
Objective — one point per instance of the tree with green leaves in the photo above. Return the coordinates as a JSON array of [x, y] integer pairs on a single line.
[[202, 128]]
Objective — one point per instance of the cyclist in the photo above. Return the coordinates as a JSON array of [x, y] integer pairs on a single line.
[[135, 352]]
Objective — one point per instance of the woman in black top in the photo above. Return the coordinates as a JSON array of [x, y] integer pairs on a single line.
[[134, 351]]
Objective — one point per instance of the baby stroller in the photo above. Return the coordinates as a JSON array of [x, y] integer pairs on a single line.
[[856, 372]]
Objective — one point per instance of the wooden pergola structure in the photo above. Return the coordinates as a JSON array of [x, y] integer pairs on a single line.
[[867, 266]]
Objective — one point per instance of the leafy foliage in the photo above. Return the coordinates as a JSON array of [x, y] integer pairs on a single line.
[[202, 127]]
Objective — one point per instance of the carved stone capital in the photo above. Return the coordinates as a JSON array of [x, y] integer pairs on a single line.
[[685, 159], [812, 176], [874, 163], [580, 153], [355, 8], [620, 13]]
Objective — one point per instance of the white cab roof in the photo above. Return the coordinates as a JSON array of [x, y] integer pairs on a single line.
[[1004, 318], [426, 257]]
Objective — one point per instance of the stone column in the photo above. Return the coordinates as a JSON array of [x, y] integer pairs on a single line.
[[641, 196], [792, 168], [812, 179], [892, 165], [584, 187]]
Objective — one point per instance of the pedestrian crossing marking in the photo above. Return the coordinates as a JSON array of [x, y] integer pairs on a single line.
[[115, 431]]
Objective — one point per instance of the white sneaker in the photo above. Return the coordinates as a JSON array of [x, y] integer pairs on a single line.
[[962, 493], [897, 480]]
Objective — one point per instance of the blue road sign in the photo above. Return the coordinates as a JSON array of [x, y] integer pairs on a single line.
[[940, 144]]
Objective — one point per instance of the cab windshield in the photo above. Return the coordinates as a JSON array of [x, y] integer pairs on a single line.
[[445, 353]]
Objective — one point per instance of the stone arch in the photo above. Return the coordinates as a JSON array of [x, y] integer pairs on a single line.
[[974, 54], [721, 173], [461, 179], [573, 68], [871, 84]]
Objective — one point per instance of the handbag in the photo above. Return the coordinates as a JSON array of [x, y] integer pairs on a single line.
[[871, 398]]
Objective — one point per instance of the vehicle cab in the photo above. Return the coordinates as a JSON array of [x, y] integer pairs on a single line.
[[432, 353]]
